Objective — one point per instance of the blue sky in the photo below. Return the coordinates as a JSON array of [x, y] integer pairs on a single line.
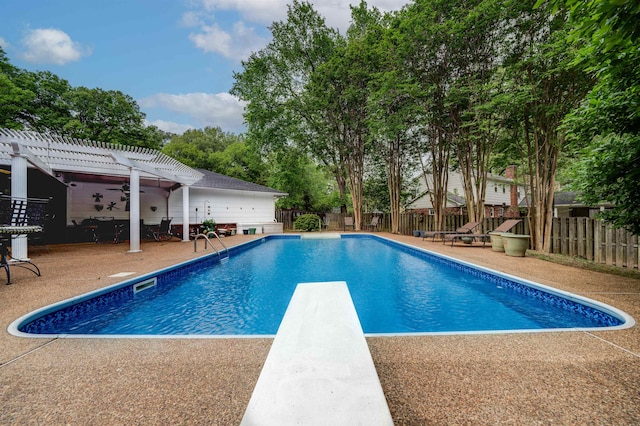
[[176, 58]]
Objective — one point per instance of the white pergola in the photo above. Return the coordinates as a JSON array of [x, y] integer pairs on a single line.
[[58, 154]]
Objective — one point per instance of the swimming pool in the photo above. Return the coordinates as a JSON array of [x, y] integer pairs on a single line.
[[396, 289]]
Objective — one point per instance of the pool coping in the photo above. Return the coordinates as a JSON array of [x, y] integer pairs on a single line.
[[13, 328]]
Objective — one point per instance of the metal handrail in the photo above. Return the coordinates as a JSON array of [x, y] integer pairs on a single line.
[[207, 240]]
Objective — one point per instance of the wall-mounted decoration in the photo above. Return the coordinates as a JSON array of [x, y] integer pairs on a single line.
[[111, 206], [125, 189], [154, 208], [97, 197], [98, 207]]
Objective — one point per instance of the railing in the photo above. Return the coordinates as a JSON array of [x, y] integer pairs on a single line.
[[207, 241]]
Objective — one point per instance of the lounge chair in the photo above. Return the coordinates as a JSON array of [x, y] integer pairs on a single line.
[[374, 223], [503, 227], [467, 228], [162, 232], [348, 221]]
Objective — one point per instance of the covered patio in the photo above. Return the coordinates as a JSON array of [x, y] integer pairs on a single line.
[[87, 178]]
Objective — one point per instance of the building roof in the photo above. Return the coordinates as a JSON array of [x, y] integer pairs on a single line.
[[564, 198], [53, 153], [218, 181]]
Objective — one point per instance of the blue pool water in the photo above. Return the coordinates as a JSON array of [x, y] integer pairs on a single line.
[[395, 289]]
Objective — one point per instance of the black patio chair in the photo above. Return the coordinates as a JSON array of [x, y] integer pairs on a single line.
[[162, 232], [20, 217]]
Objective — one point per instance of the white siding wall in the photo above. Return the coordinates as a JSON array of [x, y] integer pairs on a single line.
[[81, 203], [223, 206], [455, 186], [498, 192]]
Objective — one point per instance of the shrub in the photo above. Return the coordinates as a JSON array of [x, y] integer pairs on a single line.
[[307, 222], [209, 225]]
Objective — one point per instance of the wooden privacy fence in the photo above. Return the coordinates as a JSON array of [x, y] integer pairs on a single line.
[[409, 222], [580, 237], [594, 240]]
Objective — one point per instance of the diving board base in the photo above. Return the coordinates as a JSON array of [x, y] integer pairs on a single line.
[[319, 370]]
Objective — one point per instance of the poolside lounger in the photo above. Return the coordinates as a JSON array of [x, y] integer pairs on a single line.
[[374, 223], [162, 232], [464, 229], [503, 227], [348, 221]]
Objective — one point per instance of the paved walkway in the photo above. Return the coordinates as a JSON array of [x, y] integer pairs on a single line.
[[533, 378]]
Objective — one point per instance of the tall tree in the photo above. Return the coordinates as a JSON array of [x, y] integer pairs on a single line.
[[338, 95], [394, 112], [474, 95], [548, 85], [424, 48], [304, 90]]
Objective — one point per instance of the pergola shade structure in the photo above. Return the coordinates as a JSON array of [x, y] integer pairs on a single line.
[[83, 160]]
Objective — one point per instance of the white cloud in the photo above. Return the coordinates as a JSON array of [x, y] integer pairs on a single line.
[[238, 42], [206, 109], [170, 126], [4, 43], [51, 46], [336, 12]]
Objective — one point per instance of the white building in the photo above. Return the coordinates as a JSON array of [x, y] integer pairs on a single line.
[[229, 201], [502, 197]]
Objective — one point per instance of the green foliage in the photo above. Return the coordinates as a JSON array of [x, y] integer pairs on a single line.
[[609, 172], [609, 119], [105, 116], [307, 184], [44, 102], [209, 225], [218, 151], [307, 222]]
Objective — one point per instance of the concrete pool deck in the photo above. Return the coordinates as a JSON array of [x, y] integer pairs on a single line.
[[531, 378]]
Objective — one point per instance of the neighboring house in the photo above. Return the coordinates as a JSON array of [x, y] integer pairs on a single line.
[[134, 186], [502, 197], [566, 204]]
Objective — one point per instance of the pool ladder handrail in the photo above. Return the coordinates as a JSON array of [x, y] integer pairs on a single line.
[[208, 241]]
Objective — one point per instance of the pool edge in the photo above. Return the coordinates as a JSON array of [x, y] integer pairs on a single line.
[[627, 320]]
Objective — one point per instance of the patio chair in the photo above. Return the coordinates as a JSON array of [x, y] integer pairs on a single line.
[[348, 221], [107, 230], [162, 232], [503, 227], [467, 228], [373, 225], [20, 217]]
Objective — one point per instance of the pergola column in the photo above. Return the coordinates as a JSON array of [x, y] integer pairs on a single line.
[[185, 213], [19, 190], [134, 211]]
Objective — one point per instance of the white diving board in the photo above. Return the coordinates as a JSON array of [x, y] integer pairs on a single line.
[[319, 370]]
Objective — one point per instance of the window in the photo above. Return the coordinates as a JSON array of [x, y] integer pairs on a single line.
[[432, 212], [504, 190], [495, 189]]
